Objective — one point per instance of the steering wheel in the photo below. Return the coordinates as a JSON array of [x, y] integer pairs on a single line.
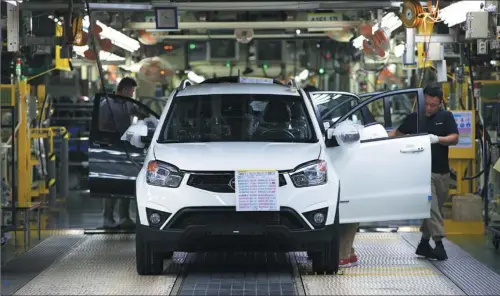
[[281, 132]]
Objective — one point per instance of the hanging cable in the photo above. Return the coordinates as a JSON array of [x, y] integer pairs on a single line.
[[101, 76]]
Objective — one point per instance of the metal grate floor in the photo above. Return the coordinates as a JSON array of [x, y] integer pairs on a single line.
[[464, 270], [19, 271], [105, 265], [100, 265], [239, 274], [388, 266]]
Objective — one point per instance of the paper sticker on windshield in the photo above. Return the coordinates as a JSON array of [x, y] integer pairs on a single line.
[[256, 80]]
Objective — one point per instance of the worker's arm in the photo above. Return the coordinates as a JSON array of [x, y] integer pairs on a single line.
[[395, 133], [449, 140], [451, 127], [405, 128]]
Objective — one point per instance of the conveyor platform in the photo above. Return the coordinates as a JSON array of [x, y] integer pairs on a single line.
[[81, 264]]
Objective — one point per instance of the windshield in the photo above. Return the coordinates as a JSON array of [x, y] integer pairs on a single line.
[[237, 117], [332, 106]]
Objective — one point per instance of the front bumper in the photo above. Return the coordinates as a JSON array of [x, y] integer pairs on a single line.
[[252, 231]]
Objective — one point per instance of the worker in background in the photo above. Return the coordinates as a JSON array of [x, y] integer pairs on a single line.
[[443, 132], [348, 257], [118, 118]]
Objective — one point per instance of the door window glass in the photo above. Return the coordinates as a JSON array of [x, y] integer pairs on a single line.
[[376, 108], [400, 105], [332, 106], [117, 114]]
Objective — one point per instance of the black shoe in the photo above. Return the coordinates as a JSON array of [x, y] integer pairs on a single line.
[[109, 223], [424, 249], [440, 252]]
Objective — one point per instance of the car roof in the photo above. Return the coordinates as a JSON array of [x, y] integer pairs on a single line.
[[238, 88]]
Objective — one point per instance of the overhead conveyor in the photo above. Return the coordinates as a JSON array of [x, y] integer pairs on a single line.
[[104, 265], [221, 6]]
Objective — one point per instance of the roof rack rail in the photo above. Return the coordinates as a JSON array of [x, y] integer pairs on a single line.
[[185, 83]]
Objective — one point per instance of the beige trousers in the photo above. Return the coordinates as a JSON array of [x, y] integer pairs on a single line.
[[347, 234], [434, 226]]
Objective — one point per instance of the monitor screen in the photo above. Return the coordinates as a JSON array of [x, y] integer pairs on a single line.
[[221, 49], [269, 50]]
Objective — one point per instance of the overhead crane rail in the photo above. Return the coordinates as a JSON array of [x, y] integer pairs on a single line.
[[219, 6]]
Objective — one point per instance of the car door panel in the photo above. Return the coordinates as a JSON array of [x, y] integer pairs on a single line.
[[113, 163], [382, 178], [386, 179]]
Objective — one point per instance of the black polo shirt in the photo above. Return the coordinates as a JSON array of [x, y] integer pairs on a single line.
[[440, 124]]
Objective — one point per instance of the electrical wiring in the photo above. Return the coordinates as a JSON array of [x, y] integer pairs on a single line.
[[101, 76]]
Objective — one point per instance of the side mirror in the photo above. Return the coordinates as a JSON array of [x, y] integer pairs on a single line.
[[146, 140], [331, 140], [134, 135], [344, 134]]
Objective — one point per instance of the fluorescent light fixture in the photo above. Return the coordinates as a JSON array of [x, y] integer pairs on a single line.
[[103, 55], [136, 67], [195, 77], [13, 2], [117, 38], [456, 13], [389, 23]]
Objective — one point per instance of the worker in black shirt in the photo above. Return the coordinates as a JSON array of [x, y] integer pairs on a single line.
[[443, 132], [115, 116]]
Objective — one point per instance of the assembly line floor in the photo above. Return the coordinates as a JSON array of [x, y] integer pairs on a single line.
[[73, 263]]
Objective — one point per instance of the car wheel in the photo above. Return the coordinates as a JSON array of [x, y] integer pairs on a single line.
[[327, 261], [147, 261], [168, 255]]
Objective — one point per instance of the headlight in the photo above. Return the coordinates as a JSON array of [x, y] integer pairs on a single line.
[[310, 174], [163, 174]]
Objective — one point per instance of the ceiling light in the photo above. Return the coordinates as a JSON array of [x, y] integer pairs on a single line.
[[103, 55], [117, 38]]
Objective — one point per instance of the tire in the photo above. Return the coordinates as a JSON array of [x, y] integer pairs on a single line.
[[147, 261], [168, 255], [327, 261]]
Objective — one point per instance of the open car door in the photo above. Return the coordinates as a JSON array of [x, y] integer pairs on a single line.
[[365, 96], [113, 163], [332, 105], [382, 178]]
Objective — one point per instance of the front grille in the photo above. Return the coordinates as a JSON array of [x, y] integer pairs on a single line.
[[228, 216], [218, 181]]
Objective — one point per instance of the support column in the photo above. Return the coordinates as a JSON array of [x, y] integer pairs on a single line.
[[64, 166], [372, 81], [12, 28]]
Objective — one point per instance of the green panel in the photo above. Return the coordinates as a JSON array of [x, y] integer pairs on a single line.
[[5, 96], [490, 91]]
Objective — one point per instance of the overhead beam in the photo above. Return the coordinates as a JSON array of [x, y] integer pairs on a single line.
[[248, 25], [219, 6], [438, 38], [229, 36]]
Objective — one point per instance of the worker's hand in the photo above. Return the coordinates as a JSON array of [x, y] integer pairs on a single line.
[[434, 139]]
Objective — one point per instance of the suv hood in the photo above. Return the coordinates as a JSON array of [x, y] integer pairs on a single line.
[[236, 156]]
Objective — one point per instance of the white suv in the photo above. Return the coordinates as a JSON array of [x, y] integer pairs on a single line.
[[255, 165]]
